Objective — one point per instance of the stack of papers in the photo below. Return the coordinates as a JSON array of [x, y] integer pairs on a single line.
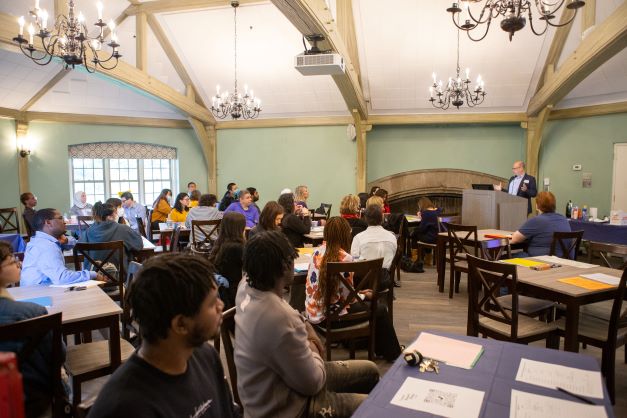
[[88, 283], [551, 259], [447, 350], [301, 267], [582, 382], [529, 405], [603, 278]]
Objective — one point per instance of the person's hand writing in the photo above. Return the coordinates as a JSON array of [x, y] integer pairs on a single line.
[[498, 187]]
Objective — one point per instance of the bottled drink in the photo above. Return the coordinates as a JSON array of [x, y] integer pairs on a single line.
[[584, 213], [569, 209], [574, 214]]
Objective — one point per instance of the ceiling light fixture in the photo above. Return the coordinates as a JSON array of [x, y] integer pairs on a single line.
[[513, 12], [236, 105], [457, 90], [68, 40]]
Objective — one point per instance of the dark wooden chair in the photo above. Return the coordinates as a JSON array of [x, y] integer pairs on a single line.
[[486, 314], [325, 210], [8, 221], [176, 236], [204, 233], [141, 227], [32, 332], [225, 338], [84, 222], [460, 237], [421, 246], [133, 268], [367, 274], [606, 251], [568, 242], [607, 335]]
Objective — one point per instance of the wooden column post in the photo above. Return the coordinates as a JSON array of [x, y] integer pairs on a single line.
[[535, 126], [141, 40], [361, 130], [206, 136]]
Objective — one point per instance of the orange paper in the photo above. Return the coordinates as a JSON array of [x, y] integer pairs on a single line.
[[499, 236], [305, 250], [586, 283]]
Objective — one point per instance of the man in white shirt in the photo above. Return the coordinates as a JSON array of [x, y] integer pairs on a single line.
[[375, 242]]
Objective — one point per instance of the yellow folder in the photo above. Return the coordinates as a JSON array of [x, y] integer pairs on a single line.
[[305, 250], [525, 262]]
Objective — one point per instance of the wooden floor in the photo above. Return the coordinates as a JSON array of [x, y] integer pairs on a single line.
[[420, 307]]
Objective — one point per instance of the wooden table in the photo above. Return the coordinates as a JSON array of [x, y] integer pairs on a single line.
[[315, 236], [545, 285], [82, 311], [487, 243]]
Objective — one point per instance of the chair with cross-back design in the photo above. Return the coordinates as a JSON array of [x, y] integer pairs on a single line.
[[488, 317], [84, 222], [460, 238], [369, 273], [567, 242], [8, 221], [204, 234]]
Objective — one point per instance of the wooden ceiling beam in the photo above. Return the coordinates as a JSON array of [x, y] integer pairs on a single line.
[[105, 120], [163, 6], [447, 118], [608, 39], [141, 42], [346, 27], [587, 111], [557, 46], [128, 75], [312, 17], [589, 16]]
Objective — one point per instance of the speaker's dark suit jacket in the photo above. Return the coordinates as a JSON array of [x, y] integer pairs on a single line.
[[531, 191]]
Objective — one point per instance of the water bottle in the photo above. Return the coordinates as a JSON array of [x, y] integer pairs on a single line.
[[584, 213], [569, 209], [574, 214]]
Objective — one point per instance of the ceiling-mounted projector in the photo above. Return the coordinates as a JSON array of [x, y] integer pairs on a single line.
[[319, 64]]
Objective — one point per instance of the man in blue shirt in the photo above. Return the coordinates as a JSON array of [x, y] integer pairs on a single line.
[[133, 210], [44, 263], [520, 184]]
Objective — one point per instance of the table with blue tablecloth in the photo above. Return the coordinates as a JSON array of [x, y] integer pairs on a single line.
[[600, 232], [16, 241], [494, 373]]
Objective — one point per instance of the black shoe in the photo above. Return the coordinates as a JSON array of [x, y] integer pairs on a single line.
[[397, 284], [418, 267]]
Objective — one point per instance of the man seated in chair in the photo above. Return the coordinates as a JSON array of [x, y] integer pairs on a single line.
[[375, 242], [133, 210], [174, 373], [44, 263], [278, 355]]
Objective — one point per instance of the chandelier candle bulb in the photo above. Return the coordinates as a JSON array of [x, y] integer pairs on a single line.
[[99, 6], [31, 32], [36, 4], [44, 19], [21, 22]]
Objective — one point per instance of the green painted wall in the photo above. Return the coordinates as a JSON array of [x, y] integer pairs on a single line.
[[271, 159], [586, 141], [487, 149], [49, 169], [9, 186]]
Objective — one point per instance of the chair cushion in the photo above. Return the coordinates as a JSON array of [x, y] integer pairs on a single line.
[[593, 328], [526, 305], [527, 327], [83, 358]]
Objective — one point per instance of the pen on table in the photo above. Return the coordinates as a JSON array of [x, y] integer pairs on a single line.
[[574, 395]]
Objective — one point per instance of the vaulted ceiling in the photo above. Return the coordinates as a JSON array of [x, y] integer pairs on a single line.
[[399, 45]]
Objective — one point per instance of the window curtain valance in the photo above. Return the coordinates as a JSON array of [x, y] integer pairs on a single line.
[[121, 150]]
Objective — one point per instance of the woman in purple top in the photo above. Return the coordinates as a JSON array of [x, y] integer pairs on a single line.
[[538, 231], [245, 206]]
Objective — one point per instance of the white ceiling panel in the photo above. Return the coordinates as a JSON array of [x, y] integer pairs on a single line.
[[267, 45]]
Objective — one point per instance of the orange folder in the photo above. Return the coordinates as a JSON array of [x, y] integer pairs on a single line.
[[586, 283]]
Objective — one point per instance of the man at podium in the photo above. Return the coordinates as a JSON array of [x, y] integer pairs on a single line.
[[520, 184]]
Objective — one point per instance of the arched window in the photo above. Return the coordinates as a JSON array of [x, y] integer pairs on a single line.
[[104, 169]]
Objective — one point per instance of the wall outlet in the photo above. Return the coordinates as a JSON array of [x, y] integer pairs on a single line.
[[576, 167], [547, 181]]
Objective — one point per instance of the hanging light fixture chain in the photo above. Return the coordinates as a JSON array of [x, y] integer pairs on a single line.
[[235, 47]]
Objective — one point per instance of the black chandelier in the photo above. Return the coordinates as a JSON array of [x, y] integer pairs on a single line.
[[247, 106], [68, 40], [514, 12], [457, 91]]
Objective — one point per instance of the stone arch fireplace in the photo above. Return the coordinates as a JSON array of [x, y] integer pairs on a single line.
[[443, 186]]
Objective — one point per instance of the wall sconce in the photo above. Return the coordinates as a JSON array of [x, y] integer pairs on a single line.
[[23, 147]]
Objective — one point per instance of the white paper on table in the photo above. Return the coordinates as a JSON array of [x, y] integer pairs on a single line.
[[448, 350], [301, 266], [582, 382], [147, 244], [87, 283], [439, 398], [530, 405], [603, 278], [564, 261]]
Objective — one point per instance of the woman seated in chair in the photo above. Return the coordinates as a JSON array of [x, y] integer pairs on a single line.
[[117, 205], [337, 237], [35, 370], [161, 208], [227, 256], [538, 231], [106, 229], [81, 207], [269, 220], [296, 220], [429, 228], [349, 210], [180, 209]]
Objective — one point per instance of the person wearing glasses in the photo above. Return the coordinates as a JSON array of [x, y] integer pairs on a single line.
[[44, 263], [520, 184]]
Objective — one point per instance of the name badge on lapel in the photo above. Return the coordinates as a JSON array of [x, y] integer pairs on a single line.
[[526, 181]]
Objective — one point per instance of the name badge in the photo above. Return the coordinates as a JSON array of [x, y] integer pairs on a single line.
[[526, 181]]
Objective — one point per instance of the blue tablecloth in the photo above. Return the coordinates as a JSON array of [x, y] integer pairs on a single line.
[[16, 241], [494, 373], [601, 232]]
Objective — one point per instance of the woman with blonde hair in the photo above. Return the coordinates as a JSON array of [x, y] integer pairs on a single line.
[[350, 210], [337, 239]]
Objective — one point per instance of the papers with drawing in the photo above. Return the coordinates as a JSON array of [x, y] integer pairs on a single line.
[[551, 259], [88, 283], [529, 405], [582, 382], [439, 398], [448, 350], [603, 278]]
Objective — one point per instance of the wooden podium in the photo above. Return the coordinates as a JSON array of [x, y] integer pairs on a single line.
[[490, 209]]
